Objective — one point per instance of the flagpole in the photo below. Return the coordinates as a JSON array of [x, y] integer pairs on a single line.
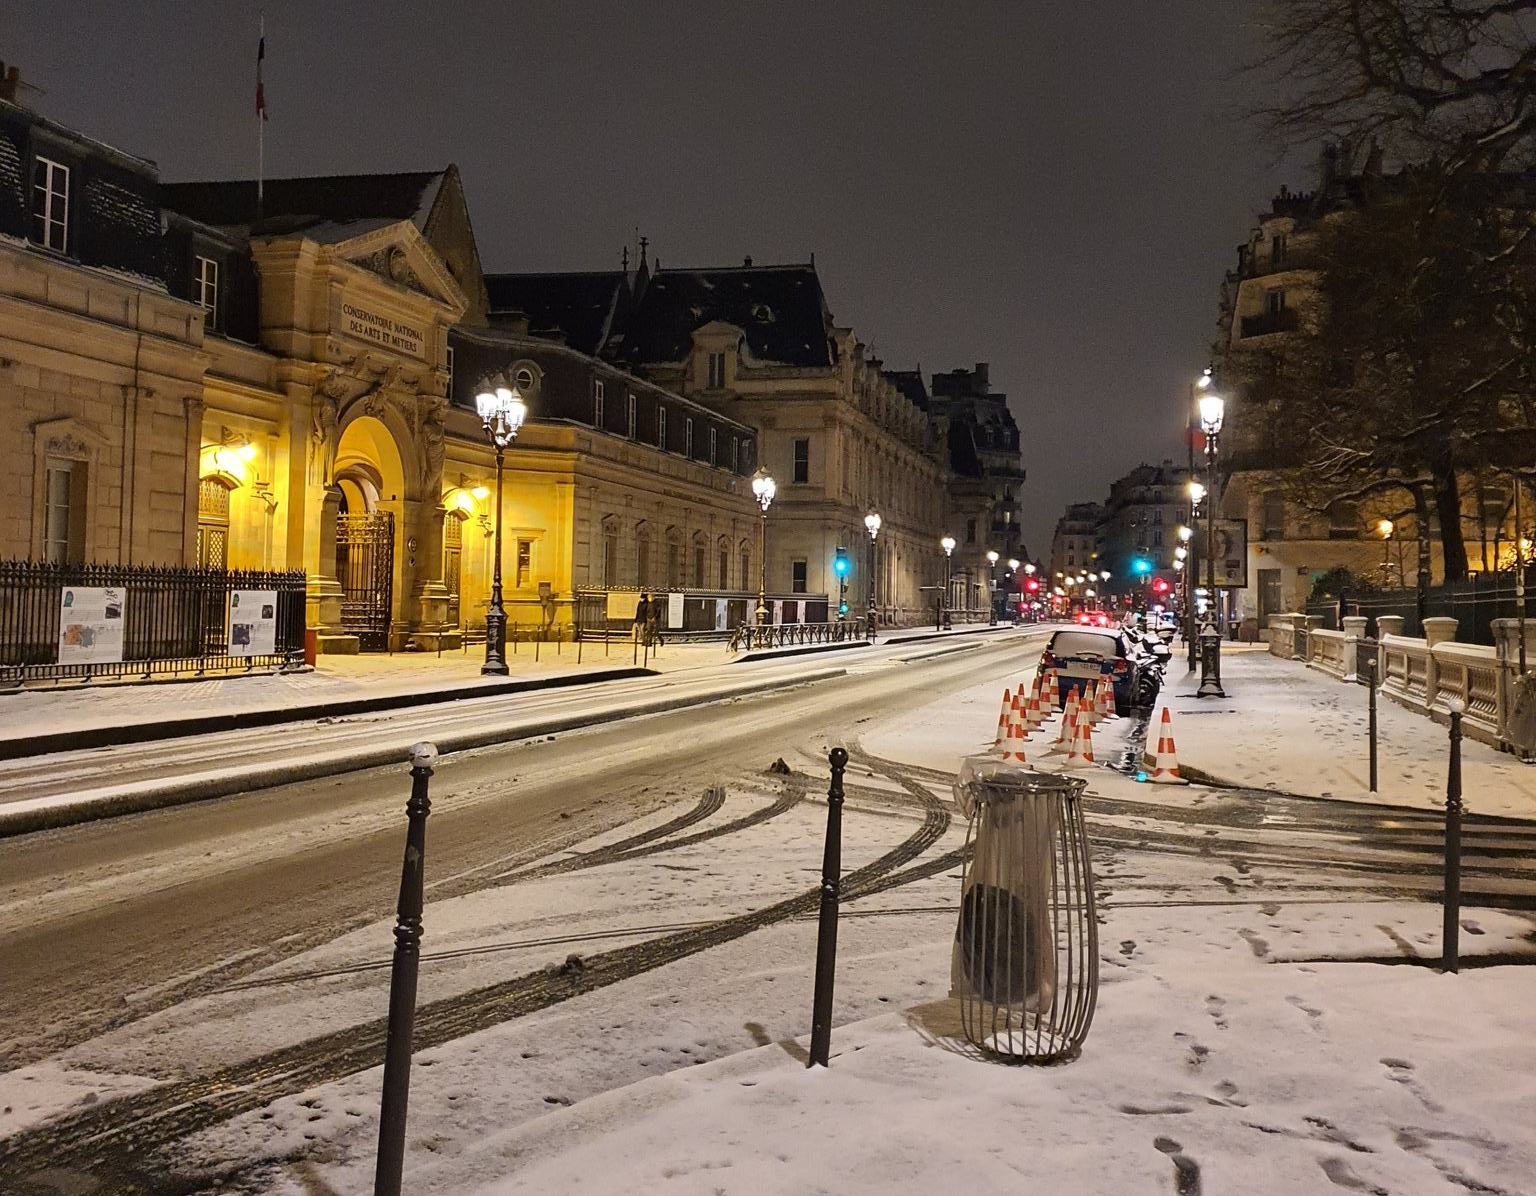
[[261, 119]]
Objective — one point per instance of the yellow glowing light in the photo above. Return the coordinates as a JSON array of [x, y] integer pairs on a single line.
[[247, 452], [481, 492]]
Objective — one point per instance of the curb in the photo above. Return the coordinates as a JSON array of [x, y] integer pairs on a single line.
[[209, 724], [158, 795]]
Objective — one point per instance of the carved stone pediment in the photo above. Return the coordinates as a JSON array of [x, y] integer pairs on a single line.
[[399, 254]]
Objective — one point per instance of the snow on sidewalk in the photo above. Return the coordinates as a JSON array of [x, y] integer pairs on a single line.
[[1286, 727]]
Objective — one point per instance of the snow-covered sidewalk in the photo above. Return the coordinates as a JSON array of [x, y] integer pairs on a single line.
[[1286, 727]]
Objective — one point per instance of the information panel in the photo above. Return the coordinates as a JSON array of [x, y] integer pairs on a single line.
[[252, 622], [91, 625]]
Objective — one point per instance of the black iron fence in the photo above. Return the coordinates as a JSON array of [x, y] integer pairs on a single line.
[[1474, 603], [789, 635], [128, 621]]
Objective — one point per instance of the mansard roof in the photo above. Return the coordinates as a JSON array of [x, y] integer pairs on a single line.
[[909, 383], [289, 205], [579, 307], [781, 310]]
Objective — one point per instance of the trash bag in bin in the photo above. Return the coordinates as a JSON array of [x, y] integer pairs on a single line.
[[1025, 957]]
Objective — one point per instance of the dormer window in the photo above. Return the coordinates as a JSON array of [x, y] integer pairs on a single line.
[[50, 204], [205, 289], [661, 427], [716, 379]]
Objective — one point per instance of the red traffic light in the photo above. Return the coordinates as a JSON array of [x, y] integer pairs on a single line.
[[1032, 585], [1160, 585]]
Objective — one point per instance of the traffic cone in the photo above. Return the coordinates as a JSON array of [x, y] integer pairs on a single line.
[[1068, 733], [1163, 768], [1013, 745], [1107, 700], [1080, 754], [1091, 705], [1034, 706], [1002, 719]]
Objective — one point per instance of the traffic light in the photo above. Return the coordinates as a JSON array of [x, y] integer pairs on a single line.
[[1031, 586], [840, 566], [842, 607], [1160, 585], [840, 563], [1141, 566]]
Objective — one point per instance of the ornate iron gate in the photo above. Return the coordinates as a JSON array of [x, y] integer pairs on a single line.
[[365, 566]]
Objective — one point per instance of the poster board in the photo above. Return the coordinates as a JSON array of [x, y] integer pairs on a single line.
[[1231, 554], [622, 605], [91, 624], [252, 622], [674, 612], [721, 608]]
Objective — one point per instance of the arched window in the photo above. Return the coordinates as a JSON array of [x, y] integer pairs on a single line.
[[676, 578], [700, 551], [643, 553], [723, 548], [453, 560], [609, 575], [744, 553]]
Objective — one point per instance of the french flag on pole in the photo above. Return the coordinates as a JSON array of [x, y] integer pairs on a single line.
[[261, 94]]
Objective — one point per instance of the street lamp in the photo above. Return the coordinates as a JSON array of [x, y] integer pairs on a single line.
[[948, 545], [1212, 412], [1384, 529], [992, 582], [872, 525], [502, 412], [763, 489]]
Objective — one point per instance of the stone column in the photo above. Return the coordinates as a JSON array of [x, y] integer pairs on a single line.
[[1439, 630], [1354, 632], [324, 592], [1388, 625]]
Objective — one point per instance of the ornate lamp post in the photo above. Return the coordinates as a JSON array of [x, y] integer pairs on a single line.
[[992, 584], [948, 545], [763, 489], [502, 412], [872, 525], [1191, 631], [1384, 529], [1212, 411]]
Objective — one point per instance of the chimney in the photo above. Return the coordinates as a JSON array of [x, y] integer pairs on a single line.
[[982, 383], [747, 261], [10, 83]]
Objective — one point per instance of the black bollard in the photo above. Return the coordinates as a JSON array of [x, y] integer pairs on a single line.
[[826, 933], [1450, 932], [1371, 681], [402, 981]]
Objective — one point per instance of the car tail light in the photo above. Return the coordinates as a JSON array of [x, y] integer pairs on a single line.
[[1047, 659], [1122, 664]]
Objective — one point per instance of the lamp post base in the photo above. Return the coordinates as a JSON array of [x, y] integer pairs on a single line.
[[495, 644], [1210, 666]]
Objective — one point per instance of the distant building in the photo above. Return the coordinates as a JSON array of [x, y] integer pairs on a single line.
[[1075, 543], [1140, 523]]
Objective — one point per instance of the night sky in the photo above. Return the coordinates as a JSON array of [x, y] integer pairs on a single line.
[[1052, 187]]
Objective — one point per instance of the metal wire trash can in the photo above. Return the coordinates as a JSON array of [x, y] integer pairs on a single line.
[[1025, 964]]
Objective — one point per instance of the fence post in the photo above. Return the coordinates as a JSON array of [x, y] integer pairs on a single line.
[[1451, 926], [826, 931], [402, 980]]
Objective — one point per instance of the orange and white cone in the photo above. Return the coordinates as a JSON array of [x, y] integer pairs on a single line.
[[1163, 768], [1092, 706], [1013, 745], [1069, 719], [1107, 700], [1080, 755], [1002, 719], [1034, 706]]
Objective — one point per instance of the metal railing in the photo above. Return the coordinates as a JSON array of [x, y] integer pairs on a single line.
[[750, 636], [169, 620]]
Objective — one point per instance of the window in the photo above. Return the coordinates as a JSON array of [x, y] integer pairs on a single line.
[[1274, 301], [205, 289], [630, 422], [970, 531], [716, 380], [661, 427], [610, 552], [64, 513], [725, 565], [746, 566], [523, 378], [1157, 538], [50, 204], [1274, 517], [714, 443], [1343, 520], [698, 563], [597, 405], [1071, 560], [642, 555], [802, 461], [1277, 249], [688, 438], [450, 370], [524, 561], [797, 577], [735, 454]]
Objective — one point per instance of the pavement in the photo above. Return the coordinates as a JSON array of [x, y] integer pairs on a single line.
[[1292, 729]]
